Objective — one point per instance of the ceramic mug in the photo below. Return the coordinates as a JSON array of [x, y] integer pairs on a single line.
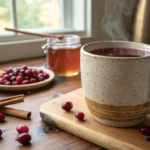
[[115, 81]]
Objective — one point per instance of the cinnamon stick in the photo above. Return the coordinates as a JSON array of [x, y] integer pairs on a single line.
[[11, 101], [35, 34], [11, 97], [16, 112]]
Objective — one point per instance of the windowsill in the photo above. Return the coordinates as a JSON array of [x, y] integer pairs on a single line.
[[23, 49]]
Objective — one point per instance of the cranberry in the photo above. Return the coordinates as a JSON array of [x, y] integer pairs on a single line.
[[46, 76], [13, 78], [25, 82], [22, 71], [24, 138], [80, 115], [41, 78], [24, 67], [1, 132], [2, 117], [67, 106], [40, 71], [26, 78], [14, 83], [7, 83], [20, 74], [1, 81], [22, 129], [6, 77], [19, 79], [8, 70], [28, 72], [33, 80], [145, 130], [10, 74]]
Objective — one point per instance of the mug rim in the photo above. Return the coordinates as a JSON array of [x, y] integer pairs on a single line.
[[115, 41]]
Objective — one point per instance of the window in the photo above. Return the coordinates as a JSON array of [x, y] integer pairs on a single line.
[[47, 16]]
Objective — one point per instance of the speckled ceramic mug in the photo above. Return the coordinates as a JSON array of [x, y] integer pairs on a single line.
[[116, 87]]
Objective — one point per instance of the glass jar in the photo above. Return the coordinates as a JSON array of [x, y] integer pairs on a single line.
[[63, 55]]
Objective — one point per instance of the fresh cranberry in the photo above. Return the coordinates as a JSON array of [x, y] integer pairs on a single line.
[[1, 132], [46, 76], [24, 67], [28, 72], [6, 77], [13, 78], [10, 74], [26, 78], [145, 130], [80, 115], [22, 129], [41, 78], [24, 138], [1, 81], [20, 74], [40, 74], [40, 71], [33, 80], [22, 71], [2, 117], [25, 82], [67, 106], [14, 83], [8, 70], [19, 79], [7, 82]]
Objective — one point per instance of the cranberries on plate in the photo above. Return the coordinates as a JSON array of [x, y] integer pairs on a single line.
[[67, 106], [22, 75]]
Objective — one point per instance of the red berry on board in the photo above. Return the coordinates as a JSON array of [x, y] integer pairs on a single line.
[[67, 106], [22, 129], [19, 79], [145, 130], [2, 117], [80, 115], [1, 132], [24, 138]]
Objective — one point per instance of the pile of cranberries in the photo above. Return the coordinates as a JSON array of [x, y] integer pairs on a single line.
[[67, 106], [22, 75]]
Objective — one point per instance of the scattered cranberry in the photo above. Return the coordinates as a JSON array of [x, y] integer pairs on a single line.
[[24, 138], [80, 115], [1, 132], [145, 130], [19, 79], [67, 106], [2, 117], [22, 129]]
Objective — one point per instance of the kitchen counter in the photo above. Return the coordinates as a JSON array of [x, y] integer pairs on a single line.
[[44, 136]]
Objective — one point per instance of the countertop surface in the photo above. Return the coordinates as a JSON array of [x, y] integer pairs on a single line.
[[44, 136]]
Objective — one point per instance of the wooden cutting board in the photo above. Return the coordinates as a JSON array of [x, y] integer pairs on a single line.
[[105, 136]]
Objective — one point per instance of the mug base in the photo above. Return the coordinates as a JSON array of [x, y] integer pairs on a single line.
[[119, 124]]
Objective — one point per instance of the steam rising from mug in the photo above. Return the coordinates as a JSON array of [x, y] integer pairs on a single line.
[[113, 23]]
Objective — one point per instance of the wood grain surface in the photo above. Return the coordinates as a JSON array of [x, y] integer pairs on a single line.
[[108, 137], [44, 136]]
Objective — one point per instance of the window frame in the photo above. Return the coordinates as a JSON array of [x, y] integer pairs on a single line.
[[29, 47]]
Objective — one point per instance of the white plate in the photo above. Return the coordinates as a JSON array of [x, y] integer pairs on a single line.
[[32, 86]]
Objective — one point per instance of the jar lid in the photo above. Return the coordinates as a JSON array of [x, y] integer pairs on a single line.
[[67, 39]]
